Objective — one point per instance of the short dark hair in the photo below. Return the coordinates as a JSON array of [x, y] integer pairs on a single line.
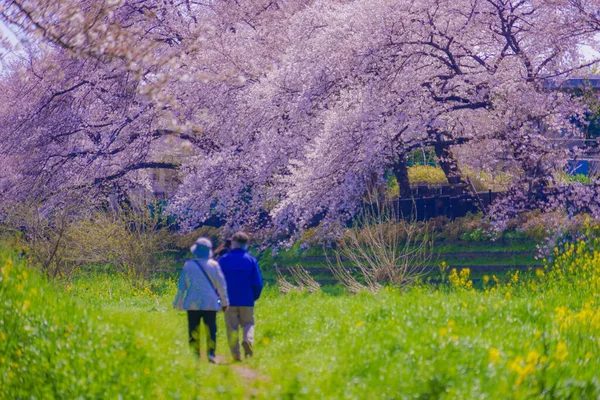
[[240, 237]]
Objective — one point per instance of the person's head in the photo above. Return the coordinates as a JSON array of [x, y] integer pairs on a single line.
[[202, 248], [239, 240]]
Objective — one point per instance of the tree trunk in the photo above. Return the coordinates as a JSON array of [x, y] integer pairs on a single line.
[[401, 174], [449, 164]]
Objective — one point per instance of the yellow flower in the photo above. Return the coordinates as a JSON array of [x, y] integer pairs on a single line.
[[528, 369], [533, 357], [515, 277], [2, 336], [6, 268], [443, 332], [561, 351], [494, 355], [560, 312], [360, 323], [515, 365], [26, 305], [266, 340], [539, 272]]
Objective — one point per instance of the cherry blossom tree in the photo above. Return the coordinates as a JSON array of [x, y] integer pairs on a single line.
[[293, 108], [364, 83], [108, 79]]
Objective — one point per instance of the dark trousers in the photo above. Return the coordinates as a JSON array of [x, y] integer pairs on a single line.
[[210, 324]]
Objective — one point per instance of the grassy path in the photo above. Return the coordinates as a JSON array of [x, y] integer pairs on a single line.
[[98, 337]]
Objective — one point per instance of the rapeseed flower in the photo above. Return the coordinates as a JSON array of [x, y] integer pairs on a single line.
[[533, 357], [561, 352], [494, 355]]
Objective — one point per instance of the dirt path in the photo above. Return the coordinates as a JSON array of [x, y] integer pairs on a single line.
[[246, 373], [249, 375]]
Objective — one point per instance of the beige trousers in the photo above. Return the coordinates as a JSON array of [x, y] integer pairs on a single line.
[[236, 318]]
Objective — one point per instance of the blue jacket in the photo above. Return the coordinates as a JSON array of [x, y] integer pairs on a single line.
[[243, 278]]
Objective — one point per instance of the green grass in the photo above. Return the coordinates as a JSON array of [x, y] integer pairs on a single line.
[[107, 340], [507, 254], [100, 337], [486, 246]]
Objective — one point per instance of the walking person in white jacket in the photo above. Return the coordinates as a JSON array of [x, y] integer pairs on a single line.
[[202, 292]]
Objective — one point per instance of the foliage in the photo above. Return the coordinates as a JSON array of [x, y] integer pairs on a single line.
[[477, 235], [426, 174], [54, 348], [382, 249], [472, 227], [557, 229], [44, 235], [483, 180], [130, 238], [577, 261], [134, 240], [422, 156], [577, 178], [392, 190], [523, 336], [293, 106], [540, 226], [303, 281], [185, 240], [434, 175]]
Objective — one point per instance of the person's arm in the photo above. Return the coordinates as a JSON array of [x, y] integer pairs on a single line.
[[221, 286], [181, 290], [257, 283]]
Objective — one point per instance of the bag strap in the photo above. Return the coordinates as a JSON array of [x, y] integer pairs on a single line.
[[208, 278]]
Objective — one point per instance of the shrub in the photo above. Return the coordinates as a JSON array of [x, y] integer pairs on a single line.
[[392, 189], [482, 180], [564, 177], [382, 249], [185, 241], [43, 235], [426, 174], [130, 238], [470, 227]]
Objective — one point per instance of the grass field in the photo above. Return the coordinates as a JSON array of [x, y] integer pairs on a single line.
[[481, 257], [98, 336]]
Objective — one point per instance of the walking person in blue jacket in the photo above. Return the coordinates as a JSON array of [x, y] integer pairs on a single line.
[[202, 292], [244, 285]]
